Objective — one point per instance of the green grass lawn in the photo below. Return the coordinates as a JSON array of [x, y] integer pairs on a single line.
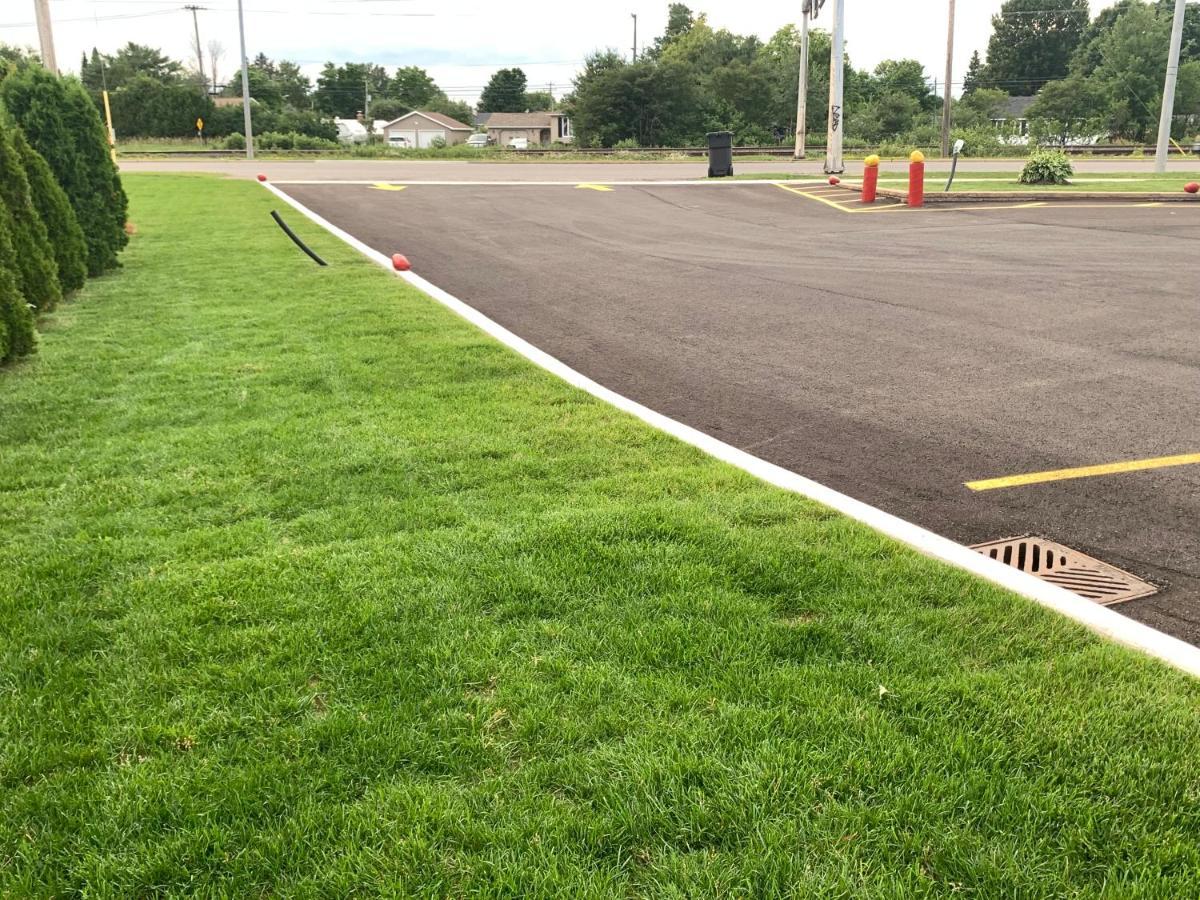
[[312, 589], [1172, 182]]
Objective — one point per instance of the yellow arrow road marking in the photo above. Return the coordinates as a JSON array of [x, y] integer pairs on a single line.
[[384, 186], [592, 187], [1136, 465]]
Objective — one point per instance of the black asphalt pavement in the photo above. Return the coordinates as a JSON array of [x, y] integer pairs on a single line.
[[892, 355]]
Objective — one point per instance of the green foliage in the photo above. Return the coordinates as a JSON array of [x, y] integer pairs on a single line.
[[505, 92], [1047, 167], [54, 209], [289, 140], [62, 124], [34, 259], [229, 119], [148, 108], [235, 141], [341, 90], [17, 335], [130, 62], [973, 76], [413, 86], [1032, 42], [980, 141]]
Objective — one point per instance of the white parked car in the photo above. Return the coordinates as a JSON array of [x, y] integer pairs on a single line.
[[518, 143], [477, 140], [399, 140]]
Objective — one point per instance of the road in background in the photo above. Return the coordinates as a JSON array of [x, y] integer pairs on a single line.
[[893, 356]]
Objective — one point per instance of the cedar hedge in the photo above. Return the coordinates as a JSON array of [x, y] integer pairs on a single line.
[[63, 125], [36, 266], [54, 209]]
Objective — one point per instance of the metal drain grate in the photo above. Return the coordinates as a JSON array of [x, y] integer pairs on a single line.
[[1067, 568]]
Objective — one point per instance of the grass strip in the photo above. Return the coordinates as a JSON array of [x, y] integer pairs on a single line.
[[312, 589]]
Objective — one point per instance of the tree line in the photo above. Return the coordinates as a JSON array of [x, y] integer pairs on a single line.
[[62, 207], [1100, 76]]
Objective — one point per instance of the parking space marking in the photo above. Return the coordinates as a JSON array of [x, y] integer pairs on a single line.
[[593, 187], [384, 186], [1136, 465]]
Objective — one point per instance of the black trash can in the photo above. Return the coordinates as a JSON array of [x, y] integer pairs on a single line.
[[720, 154]]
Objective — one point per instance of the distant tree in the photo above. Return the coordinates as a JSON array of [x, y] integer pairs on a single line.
[[979, 107], [11, 53], [1032, 42], [414, 87], [680, 20], [539, 100], [505, 92], [341, 89], [1070, 109], [131, 61], [458, 110], [974, 73], [148, 108], [906, 77], [1134, 54]]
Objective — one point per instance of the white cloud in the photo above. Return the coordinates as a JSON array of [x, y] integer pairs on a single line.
[[461, 42]]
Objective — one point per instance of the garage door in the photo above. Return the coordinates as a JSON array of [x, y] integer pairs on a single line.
[[426, 138]]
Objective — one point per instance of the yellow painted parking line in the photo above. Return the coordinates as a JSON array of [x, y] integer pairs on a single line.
[[384, 186], [838, 207], [592, 187], [1136, 465]]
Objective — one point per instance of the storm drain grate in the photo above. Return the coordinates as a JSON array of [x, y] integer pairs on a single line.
[[1067, 568]]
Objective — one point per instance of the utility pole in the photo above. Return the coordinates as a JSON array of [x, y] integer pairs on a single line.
[[199, 47], [245, 84], [802, 90], [634, 36], [45, 34], [1168, 98], [837, 61], [949, 78], [367, 103]]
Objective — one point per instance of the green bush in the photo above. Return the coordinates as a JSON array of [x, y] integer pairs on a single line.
[[54, 209], [16, 317], [235, 141], [62, 124], [36, 269], [1047, 167], [272, 140], [627, 144]]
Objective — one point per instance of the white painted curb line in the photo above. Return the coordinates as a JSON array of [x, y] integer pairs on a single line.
[[1099, 619], [693, 183]]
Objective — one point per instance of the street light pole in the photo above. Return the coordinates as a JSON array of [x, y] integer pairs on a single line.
[[1168, 98], [802, 91], [245, 84], [41, 10], [949, 80], [833, 147], [634, 16]]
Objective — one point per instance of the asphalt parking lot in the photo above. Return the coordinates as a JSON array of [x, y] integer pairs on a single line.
[[896, 355]]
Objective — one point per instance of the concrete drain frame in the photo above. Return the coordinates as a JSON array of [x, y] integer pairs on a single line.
[[1069, 569]]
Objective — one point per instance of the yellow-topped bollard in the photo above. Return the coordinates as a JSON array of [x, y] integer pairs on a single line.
[[916, 178], [870, 178]]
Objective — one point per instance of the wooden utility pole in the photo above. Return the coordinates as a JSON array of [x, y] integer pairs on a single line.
[[199, 47], [949, 80], [802, 89], [45, 34]]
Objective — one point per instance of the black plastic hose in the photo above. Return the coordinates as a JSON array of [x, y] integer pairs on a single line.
[[299, 243]]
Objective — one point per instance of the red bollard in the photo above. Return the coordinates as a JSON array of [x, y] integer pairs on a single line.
[[916, 178], [870, 178]]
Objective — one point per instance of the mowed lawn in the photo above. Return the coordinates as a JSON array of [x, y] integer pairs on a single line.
[[309, 588]]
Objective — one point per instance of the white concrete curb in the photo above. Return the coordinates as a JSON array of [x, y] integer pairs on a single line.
[[1099, 619], [702, 182]]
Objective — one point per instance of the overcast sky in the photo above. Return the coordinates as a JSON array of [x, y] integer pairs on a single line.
[[461, 42]]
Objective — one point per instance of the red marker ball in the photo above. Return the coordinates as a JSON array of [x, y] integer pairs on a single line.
[[262, 177], [400, 262], [1191, 187], [833, 179]]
